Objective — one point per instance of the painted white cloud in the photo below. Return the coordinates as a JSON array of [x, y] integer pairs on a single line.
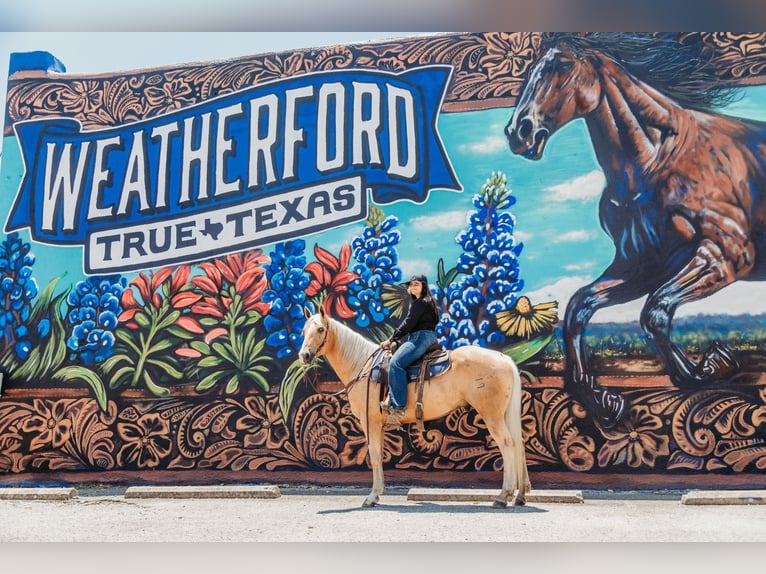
[[581, 188], [410, 267], [576, 236], [490, 144], [580, 266], [445, 220], [523, 236], [333, 247], [737, 299]]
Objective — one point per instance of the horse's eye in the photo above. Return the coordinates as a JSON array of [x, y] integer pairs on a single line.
[[566, 65], [321, 329]]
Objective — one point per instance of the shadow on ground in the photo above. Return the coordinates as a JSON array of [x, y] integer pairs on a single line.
[[430, 507]]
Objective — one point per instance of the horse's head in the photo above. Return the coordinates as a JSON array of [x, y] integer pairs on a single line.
[[562, 86], [315, 333]]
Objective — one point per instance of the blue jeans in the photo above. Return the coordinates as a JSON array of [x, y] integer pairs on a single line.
[[410, 350]]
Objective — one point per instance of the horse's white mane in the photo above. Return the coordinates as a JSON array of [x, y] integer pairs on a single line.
[[353, 348]]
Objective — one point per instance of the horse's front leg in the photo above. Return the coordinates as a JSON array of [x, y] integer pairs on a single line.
[[607, 290], [375, 450], [707, 272]]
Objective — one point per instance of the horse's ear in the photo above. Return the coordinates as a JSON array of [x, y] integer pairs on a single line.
[[307, 312], [321, 312]]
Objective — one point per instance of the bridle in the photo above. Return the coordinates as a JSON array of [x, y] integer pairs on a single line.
[[362, 374], [318, 350]]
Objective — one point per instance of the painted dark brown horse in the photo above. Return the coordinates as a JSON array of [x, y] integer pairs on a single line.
[[684, 199]]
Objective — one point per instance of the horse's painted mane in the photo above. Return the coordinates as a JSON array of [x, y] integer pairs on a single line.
[[680, 68]]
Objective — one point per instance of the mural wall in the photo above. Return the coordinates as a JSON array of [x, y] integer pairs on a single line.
[[590, 204]]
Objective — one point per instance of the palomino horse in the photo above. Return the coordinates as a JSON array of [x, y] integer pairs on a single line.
[[684, 200], [486, 380]]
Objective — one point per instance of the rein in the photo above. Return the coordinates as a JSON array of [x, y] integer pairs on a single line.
[[363, 373]]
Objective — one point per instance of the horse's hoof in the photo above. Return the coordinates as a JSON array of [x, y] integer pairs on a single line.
[[718, 363], [604, 405], [368, 503], [499, 503], [519, 501], [610, 408]]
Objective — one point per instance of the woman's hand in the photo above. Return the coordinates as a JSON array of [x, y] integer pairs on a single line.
[[386, 344]]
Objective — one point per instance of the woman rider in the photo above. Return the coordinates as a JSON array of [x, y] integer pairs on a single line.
[[414, 336]]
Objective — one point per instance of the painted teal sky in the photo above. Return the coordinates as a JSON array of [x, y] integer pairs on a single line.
[[556, 209]]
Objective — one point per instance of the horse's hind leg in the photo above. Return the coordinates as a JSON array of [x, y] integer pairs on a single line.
[[497, 428], [706, 273]]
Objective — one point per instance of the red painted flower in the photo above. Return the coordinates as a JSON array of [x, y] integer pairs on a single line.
[[330, 276], [237, 276], [157, 289]]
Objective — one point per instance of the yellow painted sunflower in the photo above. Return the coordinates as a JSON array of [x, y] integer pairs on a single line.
[[527, 320]]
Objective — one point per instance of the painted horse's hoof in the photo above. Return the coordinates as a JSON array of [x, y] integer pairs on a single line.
[[606, 406], [717, 364], [610, 407], [499, 503]]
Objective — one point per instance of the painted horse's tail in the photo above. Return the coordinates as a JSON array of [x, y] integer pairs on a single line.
[[513, 422]]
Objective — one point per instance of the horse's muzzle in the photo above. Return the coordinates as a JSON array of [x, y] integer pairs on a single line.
[[525, 140], [306, 357]]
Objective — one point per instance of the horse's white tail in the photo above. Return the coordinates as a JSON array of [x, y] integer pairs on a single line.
[[513, 422]]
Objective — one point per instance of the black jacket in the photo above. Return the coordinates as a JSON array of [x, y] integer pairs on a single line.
[[421, 317]]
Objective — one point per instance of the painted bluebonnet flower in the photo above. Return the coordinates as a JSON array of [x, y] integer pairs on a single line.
[[490, 268], [287, 296], [17, 289], [94, 305], [378, 264]]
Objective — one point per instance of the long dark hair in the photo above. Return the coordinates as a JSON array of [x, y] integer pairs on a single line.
[[429, 298]]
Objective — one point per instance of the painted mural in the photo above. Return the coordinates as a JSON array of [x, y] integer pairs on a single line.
[[591, 205]]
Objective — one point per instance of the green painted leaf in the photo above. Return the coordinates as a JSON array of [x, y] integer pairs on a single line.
[[233, 384], [163, 344], [178, 332], [203, 348], [127, 336], [211, 361], [258, 379], [224, 351], [153, 387], [293, 376], [166, 368], [87, 376], [525, 350], [208, 381], [172, 317], [118, 377], [142, 319]]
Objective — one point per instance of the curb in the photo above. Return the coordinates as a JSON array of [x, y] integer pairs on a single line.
[[202, 492], [481, 495], [724, 497], [36, 493]]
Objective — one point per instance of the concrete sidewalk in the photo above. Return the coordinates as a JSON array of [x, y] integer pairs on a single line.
[[316, 514], [696, 497]]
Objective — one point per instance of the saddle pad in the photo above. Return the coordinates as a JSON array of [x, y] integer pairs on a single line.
[[440, 362]]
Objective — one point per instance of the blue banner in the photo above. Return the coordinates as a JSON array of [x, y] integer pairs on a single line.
[[264, 164]]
